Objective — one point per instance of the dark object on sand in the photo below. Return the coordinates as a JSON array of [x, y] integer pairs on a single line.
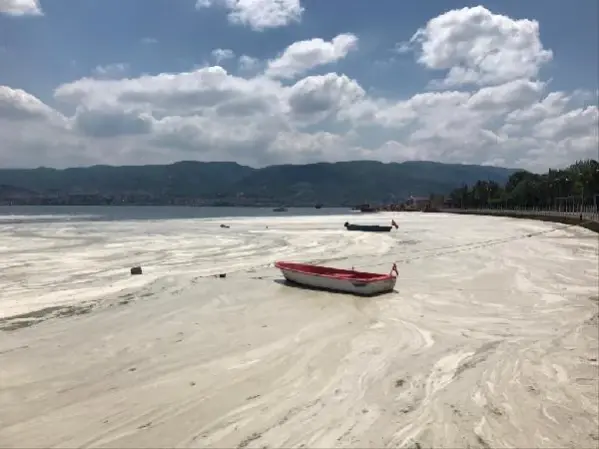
[[369, 228], [222, 275], [224, 226], [135, 270]]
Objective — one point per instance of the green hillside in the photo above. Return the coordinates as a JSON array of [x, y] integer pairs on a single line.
[[327, 183]]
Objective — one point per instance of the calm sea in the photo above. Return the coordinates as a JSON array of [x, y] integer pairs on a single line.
[[24, 214]]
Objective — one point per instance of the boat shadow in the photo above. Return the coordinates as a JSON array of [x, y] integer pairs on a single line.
[[292, 284]]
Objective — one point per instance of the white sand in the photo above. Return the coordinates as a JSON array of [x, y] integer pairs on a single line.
[[490, 341]]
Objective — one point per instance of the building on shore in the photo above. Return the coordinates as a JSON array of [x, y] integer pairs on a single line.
[[417, 203]]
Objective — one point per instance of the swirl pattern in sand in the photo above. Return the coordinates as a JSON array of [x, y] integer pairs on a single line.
[[489, 341]]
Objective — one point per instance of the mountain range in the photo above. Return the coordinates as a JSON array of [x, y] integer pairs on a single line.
[[228, 183]]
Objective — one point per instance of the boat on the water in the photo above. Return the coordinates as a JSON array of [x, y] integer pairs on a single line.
[[336, 279], [280, 209], [365, 208], [370, 228]]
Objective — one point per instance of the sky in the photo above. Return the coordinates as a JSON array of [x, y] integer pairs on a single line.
[[128, 82]]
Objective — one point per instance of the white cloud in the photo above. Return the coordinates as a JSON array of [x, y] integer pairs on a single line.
[[187, 93], [20, 7], [107, 123], [248, 63], [281, 115], [18, 105], [222, 54], [302, 56], [110, 70], [258, 14], [315, 98], [551, 106], [578, 122], [478, 47]]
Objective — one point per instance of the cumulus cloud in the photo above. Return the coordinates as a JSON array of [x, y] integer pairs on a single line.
[[316, 98], [18, 105], [182, 94], [302, 56], [280, 115], [258, 14], [111, 123], [20, 7], [222, 54], [110, 70], [248, 63], [478, 47]]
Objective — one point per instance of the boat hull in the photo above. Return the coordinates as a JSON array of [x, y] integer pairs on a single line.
[[368, 228], [356, 286]]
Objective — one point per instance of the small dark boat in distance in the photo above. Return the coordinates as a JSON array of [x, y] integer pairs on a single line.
[[280, 209], [365, 208], [370, 228]]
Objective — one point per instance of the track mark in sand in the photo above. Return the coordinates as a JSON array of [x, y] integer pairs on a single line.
[[479, 356], [290, 413], [254, 436], [493, 409], [593, 320], [16, 322], [478, 432], [294, 411], [480, 440], [346, 434], [6, 351], [445, 371]]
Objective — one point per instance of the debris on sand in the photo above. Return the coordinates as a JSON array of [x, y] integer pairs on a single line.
[[136, 271]]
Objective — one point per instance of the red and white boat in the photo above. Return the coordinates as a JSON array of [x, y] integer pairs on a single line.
[[336, 279]]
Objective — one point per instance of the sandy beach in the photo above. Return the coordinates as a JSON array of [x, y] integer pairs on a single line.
[[490, 339]]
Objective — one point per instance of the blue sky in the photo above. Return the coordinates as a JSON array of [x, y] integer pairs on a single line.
[[71, 39], [75, 37]]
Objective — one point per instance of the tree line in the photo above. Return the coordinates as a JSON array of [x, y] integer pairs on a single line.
[[570, 187]]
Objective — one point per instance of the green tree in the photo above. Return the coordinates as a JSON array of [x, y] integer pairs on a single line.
[[579, 183]]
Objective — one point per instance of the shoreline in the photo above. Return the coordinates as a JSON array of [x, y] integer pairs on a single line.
[[589, 221]]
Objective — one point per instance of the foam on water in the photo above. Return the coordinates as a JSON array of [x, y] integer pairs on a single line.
[[64, 263], [489, 341]]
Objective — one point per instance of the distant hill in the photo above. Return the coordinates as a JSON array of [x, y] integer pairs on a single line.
[[228, 183]]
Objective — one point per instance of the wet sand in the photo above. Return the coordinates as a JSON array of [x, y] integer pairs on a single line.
[[489, 341]]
